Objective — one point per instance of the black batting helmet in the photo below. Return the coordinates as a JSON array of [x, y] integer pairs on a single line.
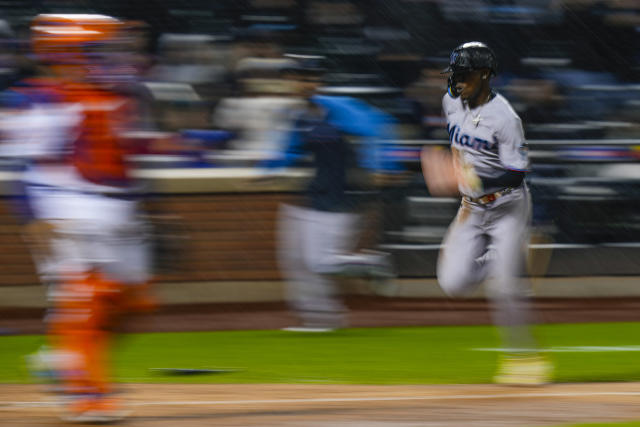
[[472, 56], [469, 56]]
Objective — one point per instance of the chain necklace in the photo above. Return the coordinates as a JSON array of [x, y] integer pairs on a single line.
[[476, 117]]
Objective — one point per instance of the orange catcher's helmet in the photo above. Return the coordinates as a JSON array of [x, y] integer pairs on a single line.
[[71, 39]]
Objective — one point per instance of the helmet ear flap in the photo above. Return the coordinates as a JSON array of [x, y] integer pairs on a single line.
[[451, 87]]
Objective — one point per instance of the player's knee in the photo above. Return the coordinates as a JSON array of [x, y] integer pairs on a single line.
[[453, 287], [455, 282]]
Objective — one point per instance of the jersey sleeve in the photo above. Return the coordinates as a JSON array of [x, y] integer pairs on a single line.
[[512, 145], [447, 104]]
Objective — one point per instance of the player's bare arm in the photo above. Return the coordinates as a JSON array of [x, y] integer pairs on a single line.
[[438, 171]]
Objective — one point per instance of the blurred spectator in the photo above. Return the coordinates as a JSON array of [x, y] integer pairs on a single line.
[[427, 90], [197, 63], [624, 122], [513, 12], [178, 106], [262, 113], [7, 58], [368, 44], [535, 100], [334, 13], [138, 47], [254, 43], [187, 58]]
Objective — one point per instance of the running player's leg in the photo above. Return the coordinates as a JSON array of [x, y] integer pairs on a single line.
[[521, 364], [291, 260], [303, 242], [327, 235], [460, 267], [507, 289]]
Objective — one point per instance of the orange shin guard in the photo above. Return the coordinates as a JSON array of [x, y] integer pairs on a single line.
[[78, 330]]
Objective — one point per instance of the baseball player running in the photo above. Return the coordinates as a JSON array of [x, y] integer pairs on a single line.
[[318, 235], [489, 235]]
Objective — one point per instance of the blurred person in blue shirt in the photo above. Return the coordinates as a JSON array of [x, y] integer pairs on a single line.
[[318, 236]]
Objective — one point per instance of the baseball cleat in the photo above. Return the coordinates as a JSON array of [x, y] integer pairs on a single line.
[[94, 410], [47, 365], [529, 370], [43, 364], [382, 274]]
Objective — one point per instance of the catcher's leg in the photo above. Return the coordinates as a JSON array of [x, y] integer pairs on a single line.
[[127, 266], [78, 329], [81, 328]]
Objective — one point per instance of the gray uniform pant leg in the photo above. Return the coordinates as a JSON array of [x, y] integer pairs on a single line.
[[509, 229], [460, 269], [490, 241], [310, 244]]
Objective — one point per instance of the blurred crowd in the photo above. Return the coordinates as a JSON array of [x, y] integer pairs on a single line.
[[214, 73]]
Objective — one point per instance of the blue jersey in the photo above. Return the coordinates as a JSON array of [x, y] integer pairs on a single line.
[[338, 164]]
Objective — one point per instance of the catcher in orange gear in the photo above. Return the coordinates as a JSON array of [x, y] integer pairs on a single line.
[[78, 184]]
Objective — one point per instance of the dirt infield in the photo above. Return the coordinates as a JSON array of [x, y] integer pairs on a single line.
[[347, 405]]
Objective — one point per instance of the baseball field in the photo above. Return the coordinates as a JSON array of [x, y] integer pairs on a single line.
[[403, 376]]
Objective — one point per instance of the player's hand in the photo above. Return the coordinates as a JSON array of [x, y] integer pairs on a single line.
[[438, 171], [466, 175]]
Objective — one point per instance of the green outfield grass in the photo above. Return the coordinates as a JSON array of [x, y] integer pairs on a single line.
[[417, 355]]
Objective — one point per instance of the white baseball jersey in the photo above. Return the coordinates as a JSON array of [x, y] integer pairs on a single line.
[[489, 137], [91, 229]]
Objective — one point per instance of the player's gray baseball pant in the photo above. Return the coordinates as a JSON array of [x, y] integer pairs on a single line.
[[313, 247], [309, 242], [92, 231], [490, 241]]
